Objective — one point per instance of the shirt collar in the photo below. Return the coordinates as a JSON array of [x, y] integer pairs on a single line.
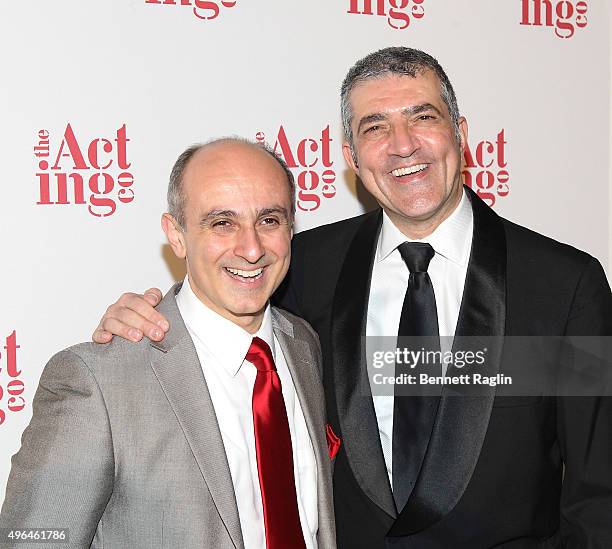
[[452, 239], [226, 341]]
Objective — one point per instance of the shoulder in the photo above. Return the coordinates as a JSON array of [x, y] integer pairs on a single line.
[[537, 250], [528, 250], [111, 361], [122, 354], [564, 284], [302, 332], [300, 328]]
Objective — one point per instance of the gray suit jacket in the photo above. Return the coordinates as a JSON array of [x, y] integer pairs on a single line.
[[124, 448]]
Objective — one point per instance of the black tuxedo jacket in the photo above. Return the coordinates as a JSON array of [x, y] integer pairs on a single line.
[[511, 472]]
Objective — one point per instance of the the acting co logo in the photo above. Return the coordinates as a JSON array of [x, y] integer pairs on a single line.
[[202, 9], [486, 168], [564, 16], [398, 13], [12, 400], [84, 171], [309, 158]]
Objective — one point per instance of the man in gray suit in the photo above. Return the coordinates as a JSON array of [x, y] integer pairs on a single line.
[[191, 442]]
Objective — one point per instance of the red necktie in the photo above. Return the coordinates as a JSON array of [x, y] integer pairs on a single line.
[[274, 454]]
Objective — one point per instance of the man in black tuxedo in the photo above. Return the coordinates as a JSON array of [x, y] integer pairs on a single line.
[[467, 472]]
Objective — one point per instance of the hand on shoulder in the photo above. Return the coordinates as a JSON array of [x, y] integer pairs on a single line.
[[131, 317]]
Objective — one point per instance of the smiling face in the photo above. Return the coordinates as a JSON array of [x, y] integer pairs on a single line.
[[406, 152], [238, 228]]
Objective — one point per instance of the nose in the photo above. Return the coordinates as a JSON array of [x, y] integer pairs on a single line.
[[403, 141], [249, 245]]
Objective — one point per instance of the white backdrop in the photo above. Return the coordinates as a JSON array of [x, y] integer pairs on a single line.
[[106, 94]]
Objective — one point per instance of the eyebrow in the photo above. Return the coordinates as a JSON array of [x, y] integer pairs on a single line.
[[232, 213], [217, 213], [408, 111], [418, 109], [274, 210], [377, 117]]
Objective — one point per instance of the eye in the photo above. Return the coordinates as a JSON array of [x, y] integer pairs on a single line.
[[269, 220], [372, 129], [221, 224], [425, 117]]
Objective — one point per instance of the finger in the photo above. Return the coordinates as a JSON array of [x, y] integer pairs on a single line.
[[129, 324], [101, 336], [139, 305], [117, 328], [153, 296]]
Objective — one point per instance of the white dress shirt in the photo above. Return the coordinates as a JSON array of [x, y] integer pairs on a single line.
[[222, 346], [452, 241]]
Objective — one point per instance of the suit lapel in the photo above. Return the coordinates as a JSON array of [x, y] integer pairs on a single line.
[[308, 388], [353, 395], [176, 366], [462, 421]]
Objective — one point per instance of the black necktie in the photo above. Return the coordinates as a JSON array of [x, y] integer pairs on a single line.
[[413, 415]]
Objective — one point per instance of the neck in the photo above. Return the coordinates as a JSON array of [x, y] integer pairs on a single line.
[[251, 325], [250, 322], [417, 229]]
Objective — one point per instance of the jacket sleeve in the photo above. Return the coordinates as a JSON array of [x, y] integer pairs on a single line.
[[585, 428], [62, 477]]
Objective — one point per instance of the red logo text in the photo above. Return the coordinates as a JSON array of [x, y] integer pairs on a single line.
[[311, 163], [563, 15], [202, 9], [485, 169], [93, 172], [11, 387], [399, 13]]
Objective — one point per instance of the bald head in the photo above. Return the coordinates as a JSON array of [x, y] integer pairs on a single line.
[[230, 152]]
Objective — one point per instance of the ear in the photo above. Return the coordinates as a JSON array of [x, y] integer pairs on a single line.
[[463, 132], [175, 235], [348, 156]]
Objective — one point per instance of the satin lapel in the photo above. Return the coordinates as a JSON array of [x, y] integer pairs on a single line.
[[462, 421], [309, 391], [180, 375], [358, 425]]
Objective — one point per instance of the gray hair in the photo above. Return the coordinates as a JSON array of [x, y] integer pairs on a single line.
[[176, 193], [395, 61]]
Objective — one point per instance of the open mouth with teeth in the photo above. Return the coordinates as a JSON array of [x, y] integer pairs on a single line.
[[409, 170], [245, 276]]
